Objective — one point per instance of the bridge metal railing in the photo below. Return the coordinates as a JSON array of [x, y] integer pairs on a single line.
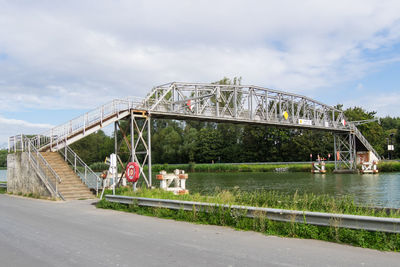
[[244, 103], [85, 173], [16, 143], [79, 124], [363, 140], [43, 169]]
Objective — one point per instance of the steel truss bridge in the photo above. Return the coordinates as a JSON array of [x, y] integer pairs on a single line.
[[206, 102]]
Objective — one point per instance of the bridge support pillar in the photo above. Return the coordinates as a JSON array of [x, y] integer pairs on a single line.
[[141, 146], [345, 152]]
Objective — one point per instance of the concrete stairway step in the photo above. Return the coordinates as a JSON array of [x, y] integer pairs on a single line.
[[71, 186], [77, 192], [71, 183]]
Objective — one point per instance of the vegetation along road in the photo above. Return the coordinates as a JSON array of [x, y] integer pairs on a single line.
[[75, 233]]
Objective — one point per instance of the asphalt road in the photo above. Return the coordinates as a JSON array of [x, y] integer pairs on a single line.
[[75, 233]]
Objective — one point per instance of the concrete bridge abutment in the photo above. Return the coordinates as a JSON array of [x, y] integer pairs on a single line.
[[22, 178]]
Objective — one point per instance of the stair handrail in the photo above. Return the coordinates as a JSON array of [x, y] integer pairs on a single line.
[[363, 140], [88, 119], [39, 163], [88, 176]]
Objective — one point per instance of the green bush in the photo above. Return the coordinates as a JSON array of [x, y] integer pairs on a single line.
[[391, 166], [99, 166]]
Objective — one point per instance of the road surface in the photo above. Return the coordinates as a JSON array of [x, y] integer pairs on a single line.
[[75, 233]]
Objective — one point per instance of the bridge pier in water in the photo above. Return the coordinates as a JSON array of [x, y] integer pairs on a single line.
[[345, 152]]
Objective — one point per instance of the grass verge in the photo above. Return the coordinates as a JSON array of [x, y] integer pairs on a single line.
[[310, 202], [270, 199], [224, 217]]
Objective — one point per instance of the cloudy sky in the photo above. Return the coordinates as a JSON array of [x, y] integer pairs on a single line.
[[59, 59]]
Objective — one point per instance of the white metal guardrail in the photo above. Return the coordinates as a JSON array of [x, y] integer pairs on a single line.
[[378, 224]]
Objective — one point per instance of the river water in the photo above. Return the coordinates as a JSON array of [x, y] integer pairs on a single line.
[[3, 175], [380, 190]]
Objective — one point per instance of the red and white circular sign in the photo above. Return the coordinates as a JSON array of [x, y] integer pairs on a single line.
[[132, 172]]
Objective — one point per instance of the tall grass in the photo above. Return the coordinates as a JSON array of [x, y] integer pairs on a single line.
[[270, 199], [225, 217], [391, 166]]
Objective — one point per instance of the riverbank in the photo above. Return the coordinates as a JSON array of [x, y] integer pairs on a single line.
[[392, 166], [309, 202], [3, 190]]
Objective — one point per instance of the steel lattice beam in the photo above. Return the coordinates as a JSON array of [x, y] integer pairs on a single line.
[[237, 103]]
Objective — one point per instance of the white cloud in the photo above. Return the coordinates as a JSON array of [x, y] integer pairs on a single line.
[[24, 124], [10, 127], [385, 104], [81, 54]]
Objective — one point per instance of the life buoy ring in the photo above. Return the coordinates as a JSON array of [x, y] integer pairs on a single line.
[[132, 172], [103, 175]]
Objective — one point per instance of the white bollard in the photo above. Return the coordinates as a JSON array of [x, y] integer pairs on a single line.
[[323, 167], [375, 167], [177, 178], [163, 184]]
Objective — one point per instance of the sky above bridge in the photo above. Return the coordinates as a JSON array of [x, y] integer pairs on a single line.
[[59, 59]]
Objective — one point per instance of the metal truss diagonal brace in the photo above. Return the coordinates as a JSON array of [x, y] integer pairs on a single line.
[[139, 124], [345, 151]]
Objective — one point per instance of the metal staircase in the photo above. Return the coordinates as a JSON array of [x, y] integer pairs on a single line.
[[82, 171], [363, 140], [71, 187]]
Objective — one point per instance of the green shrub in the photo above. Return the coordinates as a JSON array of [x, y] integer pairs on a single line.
[[391, 166], [99, 166]]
